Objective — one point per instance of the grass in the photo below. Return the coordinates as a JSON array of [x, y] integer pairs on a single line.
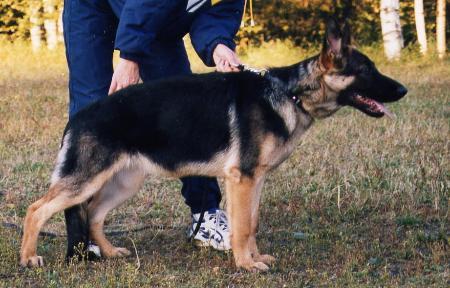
[[361, 202]]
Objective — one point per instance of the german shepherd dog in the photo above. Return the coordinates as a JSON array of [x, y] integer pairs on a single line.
[[238, 126]]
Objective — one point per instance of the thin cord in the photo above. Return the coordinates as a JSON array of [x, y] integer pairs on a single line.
[[108, 233], [252, 21]]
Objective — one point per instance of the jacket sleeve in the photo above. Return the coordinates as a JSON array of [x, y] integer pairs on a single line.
[[217, 25], [139, 24]]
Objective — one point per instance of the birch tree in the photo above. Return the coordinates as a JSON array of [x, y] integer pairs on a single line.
[[440, 28], [391, 28], [35, 24], [51, 30], [420, 25], [60, 24]]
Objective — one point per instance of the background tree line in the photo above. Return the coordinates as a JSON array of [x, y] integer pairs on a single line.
[[300, 21]]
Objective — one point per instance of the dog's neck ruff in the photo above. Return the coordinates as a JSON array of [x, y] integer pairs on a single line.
[[301, 79], [265, 72]]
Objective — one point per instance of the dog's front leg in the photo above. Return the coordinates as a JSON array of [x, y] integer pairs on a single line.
[[268, 259], [241, 193]]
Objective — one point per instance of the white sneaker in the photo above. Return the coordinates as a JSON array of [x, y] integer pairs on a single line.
[[213, 231], [93, 248]]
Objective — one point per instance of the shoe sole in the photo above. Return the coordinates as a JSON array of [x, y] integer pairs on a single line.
[[199, 243]]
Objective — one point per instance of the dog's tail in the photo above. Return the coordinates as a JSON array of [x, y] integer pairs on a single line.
[[77, 225]]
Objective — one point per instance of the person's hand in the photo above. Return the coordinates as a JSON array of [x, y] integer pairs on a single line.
[[225, 59], [125, 74]]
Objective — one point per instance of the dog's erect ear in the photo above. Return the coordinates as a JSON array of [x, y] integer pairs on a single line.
[[335, 45], [333, 37], [346, 37]]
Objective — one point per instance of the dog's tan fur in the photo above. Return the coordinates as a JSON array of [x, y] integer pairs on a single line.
[[59, 197]]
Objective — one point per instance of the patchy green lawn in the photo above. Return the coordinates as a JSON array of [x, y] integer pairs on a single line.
[[361, 202]]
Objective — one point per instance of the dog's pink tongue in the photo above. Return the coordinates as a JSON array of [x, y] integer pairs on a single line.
[[386, 112]]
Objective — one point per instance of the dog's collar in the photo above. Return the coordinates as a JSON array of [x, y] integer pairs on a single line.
[[262, 72], [296, 101], [294, 94]]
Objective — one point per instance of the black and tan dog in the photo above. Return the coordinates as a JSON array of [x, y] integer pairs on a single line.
[[238, 126]]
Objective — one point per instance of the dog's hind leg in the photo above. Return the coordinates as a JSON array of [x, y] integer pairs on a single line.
[[59, 197], [242, 192], [122, 186]]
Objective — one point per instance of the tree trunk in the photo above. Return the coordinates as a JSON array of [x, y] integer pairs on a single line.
[[51, 31], [391, 28], [35, 24], [60, 24], [440, 28], [420, 25]]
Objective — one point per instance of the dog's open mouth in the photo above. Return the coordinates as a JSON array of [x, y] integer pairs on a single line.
[[370, 107]]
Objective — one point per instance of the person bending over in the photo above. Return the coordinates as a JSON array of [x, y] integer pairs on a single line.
[[148, 34]]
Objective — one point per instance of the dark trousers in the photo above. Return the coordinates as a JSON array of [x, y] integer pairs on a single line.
[[89, 33]]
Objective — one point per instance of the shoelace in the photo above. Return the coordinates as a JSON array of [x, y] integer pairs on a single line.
[[221, 220]]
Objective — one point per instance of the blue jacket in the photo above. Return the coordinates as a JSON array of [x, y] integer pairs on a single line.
[[209, 22]]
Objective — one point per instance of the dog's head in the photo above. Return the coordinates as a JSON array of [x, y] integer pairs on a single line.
[[350, 78]]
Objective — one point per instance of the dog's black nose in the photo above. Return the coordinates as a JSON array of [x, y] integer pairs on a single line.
[[401, 91]]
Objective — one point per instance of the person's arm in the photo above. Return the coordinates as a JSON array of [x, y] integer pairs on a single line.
[[213, 27], [139, 24]]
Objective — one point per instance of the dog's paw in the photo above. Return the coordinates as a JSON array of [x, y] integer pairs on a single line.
[[259, 266], [267, 259], [253, 266], [117, 252], [122, 252], [32, 261]]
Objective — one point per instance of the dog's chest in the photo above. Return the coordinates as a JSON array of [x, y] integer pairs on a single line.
[[279, 154], [275, 150]]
